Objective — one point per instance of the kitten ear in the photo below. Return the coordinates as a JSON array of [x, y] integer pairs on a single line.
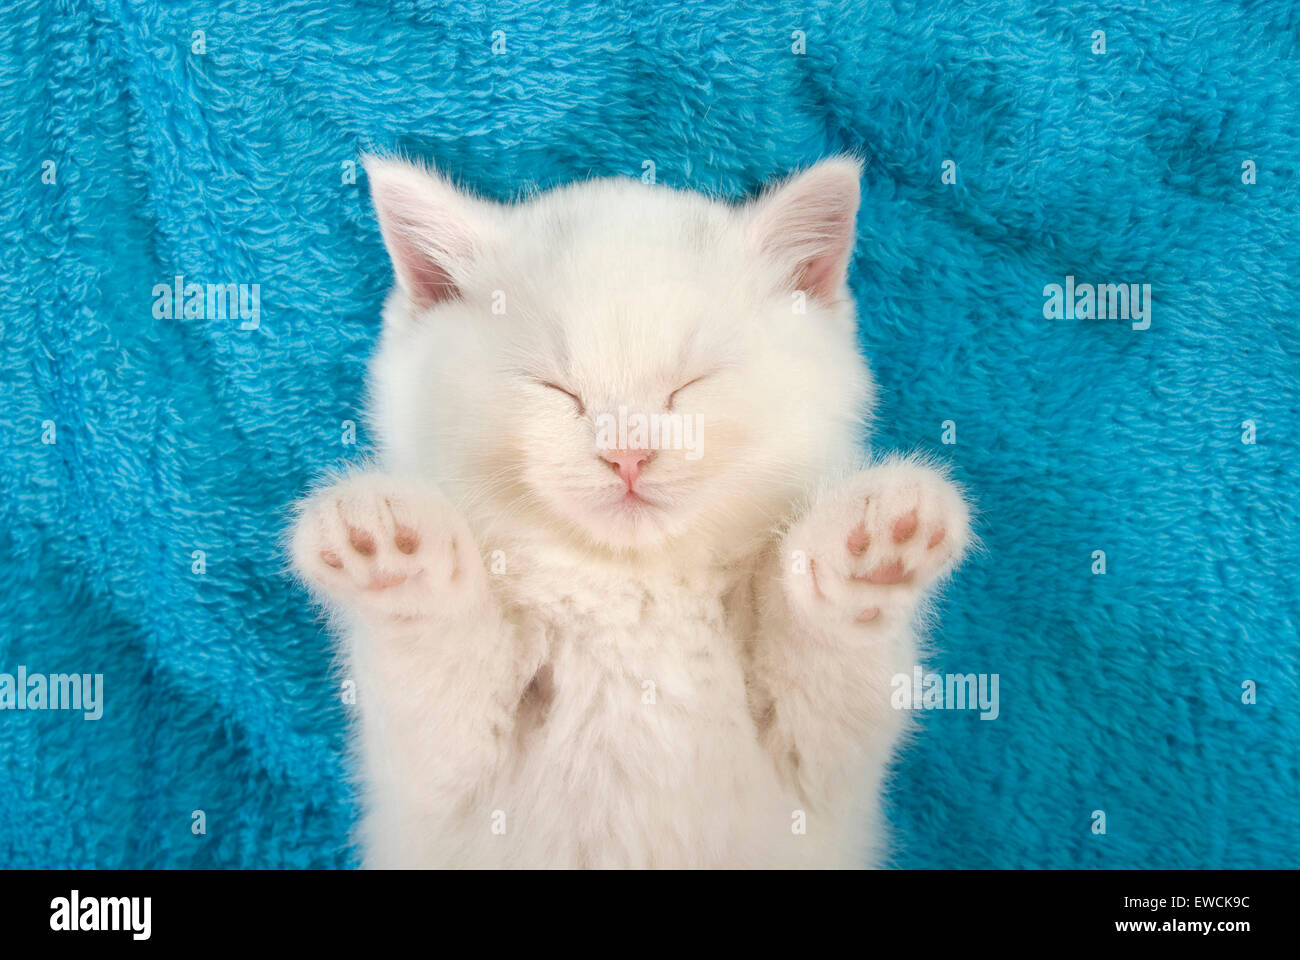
[[807, 225], [432, 230]]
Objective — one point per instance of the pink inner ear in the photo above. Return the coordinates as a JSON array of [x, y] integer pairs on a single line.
[[426, 227], [425, 279], [821, 276], [419, 242], [825, 228], [808, 225]]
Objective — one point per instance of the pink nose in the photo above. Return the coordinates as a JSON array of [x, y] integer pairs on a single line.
[[627, 463]]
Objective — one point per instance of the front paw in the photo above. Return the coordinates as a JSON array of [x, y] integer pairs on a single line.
[[868, 551], [387, 547]]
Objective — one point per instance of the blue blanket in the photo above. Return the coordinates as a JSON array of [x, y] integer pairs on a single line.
[[1147, 714]]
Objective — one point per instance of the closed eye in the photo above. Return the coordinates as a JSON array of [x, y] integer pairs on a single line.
[[568, 393], [672, 397]]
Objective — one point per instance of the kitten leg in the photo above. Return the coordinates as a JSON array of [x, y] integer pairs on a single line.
[[836, 626], [439, 671]]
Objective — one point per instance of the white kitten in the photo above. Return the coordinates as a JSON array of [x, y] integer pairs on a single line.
[[571, 652]]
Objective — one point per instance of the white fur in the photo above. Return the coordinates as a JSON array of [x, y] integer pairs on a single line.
[[551, 676]]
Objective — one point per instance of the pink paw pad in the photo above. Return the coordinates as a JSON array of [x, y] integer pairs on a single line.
[[858, 541], [382, 580], [868, 615], [406, 540], [905, 527], [361, 541], [889, 573]]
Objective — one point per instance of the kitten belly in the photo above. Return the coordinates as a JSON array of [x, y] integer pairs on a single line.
[[640, 751]]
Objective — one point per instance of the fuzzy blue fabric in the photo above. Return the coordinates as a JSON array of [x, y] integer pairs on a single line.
[[149, 461]]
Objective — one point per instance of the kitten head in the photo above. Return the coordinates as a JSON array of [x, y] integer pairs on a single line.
[[625, 365]]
